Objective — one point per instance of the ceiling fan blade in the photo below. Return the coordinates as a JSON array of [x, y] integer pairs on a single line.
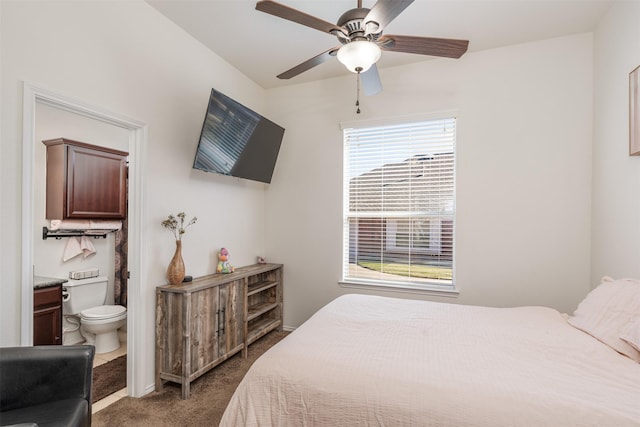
[[309, 63], [294, 15], [383, 12], [370, 80], [450, 48]]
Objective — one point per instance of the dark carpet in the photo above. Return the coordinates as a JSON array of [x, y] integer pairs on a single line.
[[109, 378], [210, 395]]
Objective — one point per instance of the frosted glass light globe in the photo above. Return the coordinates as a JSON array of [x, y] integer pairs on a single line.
[[359, 54]]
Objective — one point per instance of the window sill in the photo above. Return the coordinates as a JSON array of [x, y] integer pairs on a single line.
[[425, 289]]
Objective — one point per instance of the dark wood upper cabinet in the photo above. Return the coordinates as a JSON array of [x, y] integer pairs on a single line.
[[85, 181]]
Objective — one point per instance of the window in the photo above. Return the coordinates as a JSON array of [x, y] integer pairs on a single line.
[[399, 205]]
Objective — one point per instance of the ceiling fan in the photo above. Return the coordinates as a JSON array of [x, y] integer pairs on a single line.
[[359, 32]]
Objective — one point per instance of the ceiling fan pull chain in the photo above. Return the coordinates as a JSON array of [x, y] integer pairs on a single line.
[[358, 90]]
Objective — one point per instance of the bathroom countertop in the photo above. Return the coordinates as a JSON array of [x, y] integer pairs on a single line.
[[44, 282]]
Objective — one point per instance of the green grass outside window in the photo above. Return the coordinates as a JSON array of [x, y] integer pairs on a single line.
[[421, 271]]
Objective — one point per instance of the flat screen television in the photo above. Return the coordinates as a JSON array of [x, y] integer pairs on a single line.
[[237, 141]]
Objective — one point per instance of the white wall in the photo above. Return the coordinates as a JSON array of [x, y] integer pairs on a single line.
[[616, 175], [127, 58], [523, 173]]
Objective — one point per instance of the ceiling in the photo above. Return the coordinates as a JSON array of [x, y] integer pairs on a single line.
[[262, 46]]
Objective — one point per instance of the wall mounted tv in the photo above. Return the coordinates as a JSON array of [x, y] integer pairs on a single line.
[[237, 141]]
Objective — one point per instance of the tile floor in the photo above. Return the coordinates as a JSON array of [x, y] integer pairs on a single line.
[[98, 360]]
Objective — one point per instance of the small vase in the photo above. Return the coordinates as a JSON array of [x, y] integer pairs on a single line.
[[175, 271]]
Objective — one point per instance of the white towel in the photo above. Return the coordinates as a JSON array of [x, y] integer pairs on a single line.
[[72, 249], [105, 224], [74, 224], [87, 247], [85, 224]]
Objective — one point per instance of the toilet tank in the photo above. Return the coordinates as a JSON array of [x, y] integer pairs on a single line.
[[78, 295]]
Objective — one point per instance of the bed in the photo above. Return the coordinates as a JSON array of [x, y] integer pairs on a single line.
[[378, 361]]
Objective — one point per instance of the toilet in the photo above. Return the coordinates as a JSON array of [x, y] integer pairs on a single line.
[[87, 319]]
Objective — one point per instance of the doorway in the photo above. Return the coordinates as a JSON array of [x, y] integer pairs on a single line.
[[136, 133]]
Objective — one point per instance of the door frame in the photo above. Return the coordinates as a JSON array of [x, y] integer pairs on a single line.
[[33, 95]]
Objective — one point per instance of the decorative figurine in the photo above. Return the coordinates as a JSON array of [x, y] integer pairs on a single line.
[[223, 262]]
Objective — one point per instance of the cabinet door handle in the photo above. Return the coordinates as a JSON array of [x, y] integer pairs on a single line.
[[218, 325], [223, 320]]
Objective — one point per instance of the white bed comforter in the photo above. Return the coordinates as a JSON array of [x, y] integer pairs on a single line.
[[376, 361]]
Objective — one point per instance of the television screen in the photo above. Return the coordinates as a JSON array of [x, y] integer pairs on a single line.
[[237, 141]]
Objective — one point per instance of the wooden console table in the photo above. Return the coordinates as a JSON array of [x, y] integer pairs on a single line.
[[202, 323]]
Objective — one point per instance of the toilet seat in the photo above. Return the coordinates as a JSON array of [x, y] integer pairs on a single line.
[[99, 326], [103, 312]]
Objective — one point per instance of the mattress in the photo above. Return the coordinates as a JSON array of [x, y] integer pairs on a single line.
[[377, 361]]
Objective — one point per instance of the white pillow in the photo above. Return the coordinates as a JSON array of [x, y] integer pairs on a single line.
[[631, 334], [607, 312]]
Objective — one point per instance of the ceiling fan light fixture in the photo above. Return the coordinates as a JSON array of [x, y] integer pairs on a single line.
[[359, 55]]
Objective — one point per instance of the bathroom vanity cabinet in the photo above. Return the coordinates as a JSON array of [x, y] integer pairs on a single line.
[[202, 323], [47, 315], [85, 181]]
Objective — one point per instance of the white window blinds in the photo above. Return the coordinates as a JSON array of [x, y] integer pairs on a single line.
[[399, 204]]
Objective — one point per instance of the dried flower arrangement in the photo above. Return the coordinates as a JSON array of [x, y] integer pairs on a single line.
[[176, 224]]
